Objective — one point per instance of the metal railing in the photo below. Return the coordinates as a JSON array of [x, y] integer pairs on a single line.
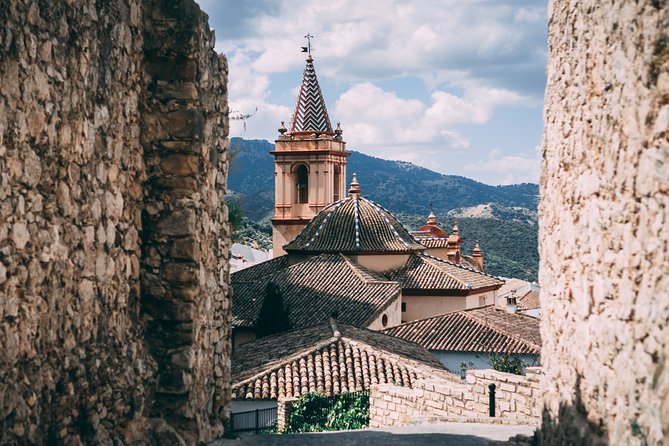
[[254, 421]]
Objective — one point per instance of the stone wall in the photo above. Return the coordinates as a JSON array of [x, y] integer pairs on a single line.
[[517, 400], [604, 223], [113, 235]]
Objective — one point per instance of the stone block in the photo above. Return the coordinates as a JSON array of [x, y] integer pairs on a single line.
[[185, 249], [180, 273], [181, 164], [179, 222], [507, 387]]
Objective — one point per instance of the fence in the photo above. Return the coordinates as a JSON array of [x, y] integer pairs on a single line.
[[254, 421]]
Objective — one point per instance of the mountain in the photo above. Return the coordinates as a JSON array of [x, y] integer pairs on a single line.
[[502, 218], [397, 185]]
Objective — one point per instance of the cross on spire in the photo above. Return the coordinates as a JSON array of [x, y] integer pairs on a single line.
[[307, 49]]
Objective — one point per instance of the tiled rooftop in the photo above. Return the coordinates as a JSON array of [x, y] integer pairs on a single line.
[[329, 358], [511, 284], [425, 272], [486, 329], [261, 270], [313, 289], [527, 294], [354, 225], [529, 301], [432, 242]]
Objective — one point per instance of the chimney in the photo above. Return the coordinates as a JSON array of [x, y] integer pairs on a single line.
[[511, 305]]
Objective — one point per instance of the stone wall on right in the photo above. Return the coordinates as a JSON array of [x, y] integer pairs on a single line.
[[604, 224]]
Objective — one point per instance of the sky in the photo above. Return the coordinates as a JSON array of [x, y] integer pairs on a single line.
[[456, 87]]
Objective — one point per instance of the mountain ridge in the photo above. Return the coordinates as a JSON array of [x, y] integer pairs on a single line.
[[399, 186]]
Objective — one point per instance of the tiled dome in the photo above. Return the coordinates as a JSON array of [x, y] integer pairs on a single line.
[[354, 225]]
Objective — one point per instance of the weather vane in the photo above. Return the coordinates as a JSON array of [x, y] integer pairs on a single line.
[[307, 49]]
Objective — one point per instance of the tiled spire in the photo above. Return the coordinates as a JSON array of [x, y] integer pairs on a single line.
[[310, 115]]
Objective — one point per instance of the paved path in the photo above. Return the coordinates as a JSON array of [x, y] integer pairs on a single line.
[[450, 434]]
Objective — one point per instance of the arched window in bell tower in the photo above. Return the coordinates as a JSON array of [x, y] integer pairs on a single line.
[[336, 182], [301, 176]]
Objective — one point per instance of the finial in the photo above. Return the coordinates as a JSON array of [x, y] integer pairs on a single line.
[[307, 49], [283, 128], [477, 249], [455, 229], [431, 219], [338, 132], [354, 190]]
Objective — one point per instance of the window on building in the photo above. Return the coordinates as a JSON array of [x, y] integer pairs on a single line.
[[404, 307], [335, 183], [384, 320], [301, 184]]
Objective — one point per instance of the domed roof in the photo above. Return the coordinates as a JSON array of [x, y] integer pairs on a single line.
[[432, 227], [354, 225]]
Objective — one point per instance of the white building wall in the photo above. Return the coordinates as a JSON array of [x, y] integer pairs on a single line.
[[453, 360]]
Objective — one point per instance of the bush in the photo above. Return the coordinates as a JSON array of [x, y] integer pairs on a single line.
[[315, 412]]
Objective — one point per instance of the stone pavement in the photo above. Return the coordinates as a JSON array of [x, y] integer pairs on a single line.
[[450, 434]]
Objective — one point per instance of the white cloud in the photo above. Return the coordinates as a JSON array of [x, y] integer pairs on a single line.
[[361, 40], [375, 117], [498, 168]]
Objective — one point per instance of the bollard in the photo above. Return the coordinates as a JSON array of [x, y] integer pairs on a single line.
[[491, 399]]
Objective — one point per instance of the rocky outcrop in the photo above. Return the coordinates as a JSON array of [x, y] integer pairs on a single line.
[[113, 233], [604, 223]]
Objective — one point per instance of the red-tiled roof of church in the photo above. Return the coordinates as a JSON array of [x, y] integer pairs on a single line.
[[354, 225], [424, 272], [313, 290]]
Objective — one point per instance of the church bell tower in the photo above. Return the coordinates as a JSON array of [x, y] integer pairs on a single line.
[[309, 163]]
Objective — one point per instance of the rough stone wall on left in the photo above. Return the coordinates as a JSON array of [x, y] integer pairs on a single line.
[[113, 232]]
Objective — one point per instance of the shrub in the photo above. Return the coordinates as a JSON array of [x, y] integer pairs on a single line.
[[506, 362], [315, 412]]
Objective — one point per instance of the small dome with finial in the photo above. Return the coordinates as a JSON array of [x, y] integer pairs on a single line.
[[432, 228], [354, 190], [477, 249]]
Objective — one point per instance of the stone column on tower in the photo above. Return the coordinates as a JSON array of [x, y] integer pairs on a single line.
[[309, 164]]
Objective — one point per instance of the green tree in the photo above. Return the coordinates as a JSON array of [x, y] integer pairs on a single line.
[[506, 362], [235, 215], [274, 312]]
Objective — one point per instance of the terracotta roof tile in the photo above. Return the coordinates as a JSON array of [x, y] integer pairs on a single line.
[[426, 272], [261, 270], [529, 301], [433, 242], [313, 289], [510, 285], [329, 358], [354, 225], [485, 329]]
